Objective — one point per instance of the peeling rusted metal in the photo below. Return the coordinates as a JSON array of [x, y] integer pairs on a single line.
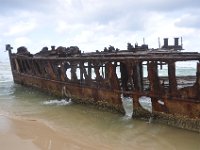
[[103, 78]]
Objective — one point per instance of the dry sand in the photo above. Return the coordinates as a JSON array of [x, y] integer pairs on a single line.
[[24, 134]]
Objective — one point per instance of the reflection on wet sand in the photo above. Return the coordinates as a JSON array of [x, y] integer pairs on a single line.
[[33, 135]]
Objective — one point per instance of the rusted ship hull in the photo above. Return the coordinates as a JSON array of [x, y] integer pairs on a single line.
[[104, 98], [104, 78]]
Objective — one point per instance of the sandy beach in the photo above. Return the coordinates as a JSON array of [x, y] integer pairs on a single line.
[[26, 134]]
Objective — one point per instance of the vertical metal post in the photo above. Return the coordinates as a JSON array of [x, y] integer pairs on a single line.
[[9, 49], [89, 70], [172, 78]]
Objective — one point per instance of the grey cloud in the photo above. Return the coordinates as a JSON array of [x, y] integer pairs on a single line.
[[9, 6], [168, 5], [126, 15], [132, 15], [189, 21], [118, 6]]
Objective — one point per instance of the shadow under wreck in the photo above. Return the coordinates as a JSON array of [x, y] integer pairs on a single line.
[[105, 78]]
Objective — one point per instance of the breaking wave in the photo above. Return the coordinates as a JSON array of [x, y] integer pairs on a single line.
[[58, 102]]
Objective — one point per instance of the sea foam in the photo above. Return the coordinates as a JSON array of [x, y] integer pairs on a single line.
[[57, 102]]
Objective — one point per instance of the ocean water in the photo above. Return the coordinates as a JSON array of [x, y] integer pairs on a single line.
[[90, 125]]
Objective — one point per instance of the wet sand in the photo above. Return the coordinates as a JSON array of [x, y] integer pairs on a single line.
[[26, 134]]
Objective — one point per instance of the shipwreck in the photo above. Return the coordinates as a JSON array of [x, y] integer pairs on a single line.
[[102, 78]]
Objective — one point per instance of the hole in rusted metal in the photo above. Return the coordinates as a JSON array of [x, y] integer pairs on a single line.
[[68, 73], [145, 102], [185, 78], [128, 105]]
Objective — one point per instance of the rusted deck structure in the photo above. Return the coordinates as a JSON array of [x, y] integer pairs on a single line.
[[103, 78]]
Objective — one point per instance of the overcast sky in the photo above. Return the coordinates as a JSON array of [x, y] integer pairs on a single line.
[[94, 24]]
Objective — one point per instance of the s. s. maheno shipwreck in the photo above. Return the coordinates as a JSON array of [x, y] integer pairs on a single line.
[[104, 78]]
